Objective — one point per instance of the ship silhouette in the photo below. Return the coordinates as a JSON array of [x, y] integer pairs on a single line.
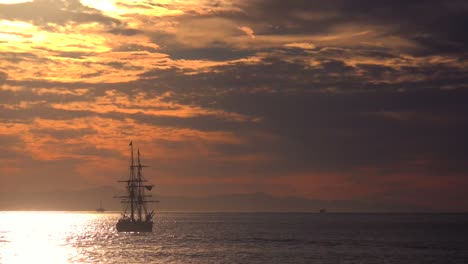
[[100, 209], [136, 216]]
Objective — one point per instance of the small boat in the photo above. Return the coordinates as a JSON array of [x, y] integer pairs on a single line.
[[136, 216], [323, 210], [100, 209]]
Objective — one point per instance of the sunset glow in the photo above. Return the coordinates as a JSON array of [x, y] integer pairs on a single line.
[[323, 100]]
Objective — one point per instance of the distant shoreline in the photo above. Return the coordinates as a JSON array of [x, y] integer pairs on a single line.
[[237, 212]]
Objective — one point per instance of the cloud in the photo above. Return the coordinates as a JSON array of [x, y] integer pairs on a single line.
[[248, 31], [331, 94], [301, 45], [50, 14], [436, 30]]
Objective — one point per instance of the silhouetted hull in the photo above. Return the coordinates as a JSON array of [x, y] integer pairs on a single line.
[[124, 225]]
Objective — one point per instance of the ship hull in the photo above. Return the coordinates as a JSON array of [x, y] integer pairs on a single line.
[[125, 225]]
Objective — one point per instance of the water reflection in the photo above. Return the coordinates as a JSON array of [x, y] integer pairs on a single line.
[[44, 237], [54, 237]]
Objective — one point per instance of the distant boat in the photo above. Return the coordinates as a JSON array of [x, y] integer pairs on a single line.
[[100, 209], [323, 210], [136, 216]]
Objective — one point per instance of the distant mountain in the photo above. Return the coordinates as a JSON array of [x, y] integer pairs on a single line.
[[256, 202], [89, 199], [261, 202]]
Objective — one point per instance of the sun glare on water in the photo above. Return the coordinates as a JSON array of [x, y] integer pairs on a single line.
[[41, 237]]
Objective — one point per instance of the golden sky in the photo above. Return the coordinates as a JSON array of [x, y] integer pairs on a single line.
[[308, 98]]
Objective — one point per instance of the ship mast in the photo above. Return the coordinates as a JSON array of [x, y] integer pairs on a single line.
[[140, 189], [131, 182], [136, 193]]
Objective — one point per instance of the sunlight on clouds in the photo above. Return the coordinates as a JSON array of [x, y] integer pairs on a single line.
[[300, 45], [70, 42], [115, 102], [14, 1], [47, 55], [6, 87], [41, 143], [22, 105], [85, 56], [26, 37], [107, 6], [54, 139], [89, 52], [79, 79], [119, 41], [248, 31], [124, 9], [16, 31], [61, 91], [10, 37]]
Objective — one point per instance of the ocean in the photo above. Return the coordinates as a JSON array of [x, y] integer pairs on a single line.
[[185, 237]]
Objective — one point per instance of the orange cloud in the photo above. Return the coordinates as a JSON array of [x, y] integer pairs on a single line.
[[116, 102], [42, 144], [301, 45], [248, 31]]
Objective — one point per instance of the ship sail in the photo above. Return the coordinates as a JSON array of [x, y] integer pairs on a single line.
[[136, 217]]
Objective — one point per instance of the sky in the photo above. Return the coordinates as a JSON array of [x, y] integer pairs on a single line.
[[333, 100]]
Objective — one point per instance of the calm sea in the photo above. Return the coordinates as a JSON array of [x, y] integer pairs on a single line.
[[70, 237]]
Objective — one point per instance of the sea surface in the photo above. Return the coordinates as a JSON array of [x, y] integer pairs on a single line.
[[88, 237]]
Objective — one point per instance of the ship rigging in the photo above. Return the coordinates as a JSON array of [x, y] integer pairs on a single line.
[[136, 216]]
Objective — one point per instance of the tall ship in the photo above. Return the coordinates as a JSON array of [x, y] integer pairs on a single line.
[[136, 217], [100, 209]]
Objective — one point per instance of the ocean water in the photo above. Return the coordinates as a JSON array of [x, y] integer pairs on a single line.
[[87, 237]]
